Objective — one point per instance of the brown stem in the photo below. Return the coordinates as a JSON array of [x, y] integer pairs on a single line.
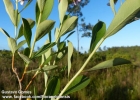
[[32, 78], [24, 73], [15, 71]]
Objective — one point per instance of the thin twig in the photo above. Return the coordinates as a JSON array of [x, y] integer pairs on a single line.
[[15, 71]]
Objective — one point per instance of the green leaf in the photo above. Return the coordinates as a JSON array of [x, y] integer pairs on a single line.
[[41, 4], [4, 32], [47, 68], [47, 9], [31, 23], [69, 35], [112, 6], [125, 15], [37, 12], [44, 28], [27, 31], [12, 44], [17, 16], [25, 58], [53, 87], [47, 60], [35, 93], [56, 34], [79, 83], [61, 45], [109, 63], [44, 49], [26, 52], [68, 25], [98, 32], [63, 6], [46, 79], [70, 51], [10, 10], [20, 44]]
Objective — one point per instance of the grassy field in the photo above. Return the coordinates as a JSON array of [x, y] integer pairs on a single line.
[[118, 83]]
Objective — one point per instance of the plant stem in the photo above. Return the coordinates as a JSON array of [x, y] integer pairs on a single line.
[[35, 36], [15, 71], [84, 65]]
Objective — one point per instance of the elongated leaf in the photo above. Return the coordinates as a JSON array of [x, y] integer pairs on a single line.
[[37, 12], [44, 49], [10, 10], [47, 68], [48, 53], [47, 60], [12, 44], [126, 13], [35, 93], [68, 25], [69, 35], [44, 28], [46, 79], [98, 32], [31, 23], [53, 87], [25, 58], [63, 5], [112, 6], [17, 16], [47, 9], [27, 31], [61, 45], [4, 32], [70, 51], [110, 63], [20, 44], [56, 34], [79, 83], [41, 4]]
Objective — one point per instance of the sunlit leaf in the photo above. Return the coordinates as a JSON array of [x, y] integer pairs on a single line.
[[47, 68], [44, 49], [20, 44], [12, 44], [63, 5], [4, 32], [127, 12], [47, 9], [70, 51], [79, 83], [68, 25], [25, 58], [41, 4], [109, 63], [44, 28], [98, 32], [10, 10]]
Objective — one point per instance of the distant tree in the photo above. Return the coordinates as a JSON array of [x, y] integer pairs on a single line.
[[85, 28], [75, 9]]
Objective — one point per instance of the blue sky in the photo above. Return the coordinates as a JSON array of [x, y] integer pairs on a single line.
[[94, 11]]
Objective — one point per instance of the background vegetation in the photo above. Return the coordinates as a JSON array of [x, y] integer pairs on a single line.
[[118, 83]]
